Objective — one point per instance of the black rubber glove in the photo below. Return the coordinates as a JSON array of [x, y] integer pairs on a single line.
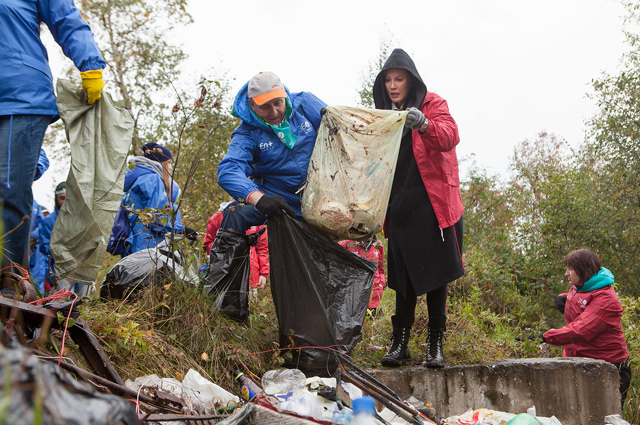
[[190, 234], [542, 339], [273, 206], [560, 302], [415, 118], [323, 111]]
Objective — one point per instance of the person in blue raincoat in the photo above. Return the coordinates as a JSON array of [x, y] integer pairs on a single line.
[[37, 261], [267, 160], [149, 186], [28, 103], [44, 232]]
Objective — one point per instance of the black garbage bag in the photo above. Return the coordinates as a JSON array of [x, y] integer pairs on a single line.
[[320, 290], [37, 389], [142, 269], [227, 278]]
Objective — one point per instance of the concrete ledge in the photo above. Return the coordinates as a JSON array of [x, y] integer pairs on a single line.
[[577, 391]]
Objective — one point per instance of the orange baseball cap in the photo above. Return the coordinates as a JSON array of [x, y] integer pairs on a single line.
[[265, 86]]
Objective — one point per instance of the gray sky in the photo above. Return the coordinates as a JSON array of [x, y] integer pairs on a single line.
[[508, 68]]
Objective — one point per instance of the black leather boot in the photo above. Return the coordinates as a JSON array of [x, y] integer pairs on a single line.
[[398, 354], [435, 357]]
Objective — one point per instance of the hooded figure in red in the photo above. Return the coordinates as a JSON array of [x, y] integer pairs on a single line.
[[424, 217]]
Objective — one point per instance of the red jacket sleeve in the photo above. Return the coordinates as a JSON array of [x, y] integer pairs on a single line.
[[442, 132], [379, 276], [213, 225], [262, 254], [599, 315]]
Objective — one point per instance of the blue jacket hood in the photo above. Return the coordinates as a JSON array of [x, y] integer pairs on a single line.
[[142, 166], [242, 110], [598, 281], [146, 166]]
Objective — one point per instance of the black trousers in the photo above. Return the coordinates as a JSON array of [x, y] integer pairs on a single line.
[[625, 378], [436, 308]]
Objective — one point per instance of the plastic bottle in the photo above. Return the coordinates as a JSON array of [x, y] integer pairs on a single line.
[[283, 381], [248, 388], [364, 409], [341, 417]]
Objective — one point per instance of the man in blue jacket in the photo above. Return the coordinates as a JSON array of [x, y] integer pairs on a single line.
[[28, 103], [267, 160]]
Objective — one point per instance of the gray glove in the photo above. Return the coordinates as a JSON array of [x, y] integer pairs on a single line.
[[415, 118]]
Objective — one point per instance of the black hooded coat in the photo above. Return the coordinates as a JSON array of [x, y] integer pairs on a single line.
[[419, 252]]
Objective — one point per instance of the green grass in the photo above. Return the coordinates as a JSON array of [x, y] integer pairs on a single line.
[[171, 328]]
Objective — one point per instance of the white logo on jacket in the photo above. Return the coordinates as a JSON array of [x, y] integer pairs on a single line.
[[266, 146], [305, 127], [582, 303]]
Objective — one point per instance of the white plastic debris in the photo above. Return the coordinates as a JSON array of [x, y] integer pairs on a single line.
[[615, 420], [203, 392]]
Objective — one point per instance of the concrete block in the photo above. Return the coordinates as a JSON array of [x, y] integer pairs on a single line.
[[577, 391]]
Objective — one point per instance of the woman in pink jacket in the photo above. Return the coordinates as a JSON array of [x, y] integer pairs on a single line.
[[259, 253], [372, 250], [424, 217], [592, 312]]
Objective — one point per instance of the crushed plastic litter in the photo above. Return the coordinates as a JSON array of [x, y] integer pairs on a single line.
[[291, 398]]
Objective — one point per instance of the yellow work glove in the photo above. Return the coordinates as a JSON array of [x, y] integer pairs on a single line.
[[92, 84]]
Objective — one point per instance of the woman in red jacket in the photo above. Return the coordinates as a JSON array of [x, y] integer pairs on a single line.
[[424, 217], [592, 312]]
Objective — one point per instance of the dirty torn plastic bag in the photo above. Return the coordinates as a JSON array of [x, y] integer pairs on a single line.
[[320, 291], [36, 391], [99, 136], [146, 267], [351, 171]]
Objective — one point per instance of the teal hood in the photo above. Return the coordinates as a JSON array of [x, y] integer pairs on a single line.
[[598, 281]]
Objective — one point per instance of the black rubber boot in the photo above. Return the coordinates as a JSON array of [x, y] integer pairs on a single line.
[[435, 357], [398, 354]]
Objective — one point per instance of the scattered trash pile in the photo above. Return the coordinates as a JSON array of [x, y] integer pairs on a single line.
[[39, 388]]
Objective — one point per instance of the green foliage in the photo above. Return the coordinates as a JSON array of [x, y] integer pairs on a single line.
[[630, 324], [203, 130], [141, 62]]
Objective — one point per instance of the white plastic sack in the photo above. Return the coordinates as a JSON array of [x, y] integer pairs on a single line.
[[205, 393], [351, 171]]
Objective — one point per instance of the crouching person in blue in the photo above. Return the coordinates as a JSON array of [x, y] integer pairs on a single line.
[[44, 232], [267, 161], [149, 185]]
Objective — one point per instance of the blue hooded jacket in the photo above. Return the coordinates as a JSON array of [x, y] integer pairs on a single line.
[[27, 83], [144, 188], [45, 227], [37, 261], [258, 160]]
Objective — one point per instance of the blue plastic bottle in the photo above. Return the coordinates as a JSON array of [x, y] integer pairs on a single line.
[[364, 409]]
